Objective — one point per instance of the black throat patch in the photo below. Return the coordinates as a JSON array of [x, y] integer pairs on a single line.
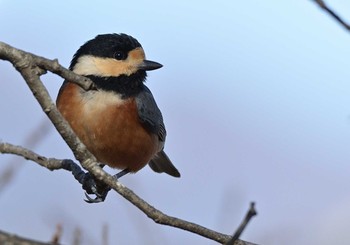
[[127, 86]]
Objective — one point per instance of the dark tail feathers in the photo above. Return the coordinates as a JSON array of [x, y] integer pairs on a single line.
[[162, 164]]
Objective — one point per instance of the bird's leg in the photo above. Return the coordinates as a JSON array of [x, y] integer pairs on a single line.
[[99, 189], [121, 173], [89, 183]]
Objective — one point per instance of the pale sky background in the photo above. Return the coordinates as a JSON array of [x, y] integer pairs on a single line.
[[256, 100]]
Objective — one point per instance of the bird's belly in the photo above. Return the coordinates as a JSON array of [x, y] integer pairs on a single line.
[[111, 130], [120, 144]]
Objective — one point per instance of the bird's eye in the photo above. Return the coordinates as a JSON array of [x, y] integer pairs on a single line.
[[119, 55]]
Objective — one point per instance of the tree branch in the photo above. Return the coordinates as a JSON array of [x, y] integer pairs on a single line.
[[49, 163], [7, 238], [250, 214], [31, 67], [151, 212], [325, 7], [21, 60]]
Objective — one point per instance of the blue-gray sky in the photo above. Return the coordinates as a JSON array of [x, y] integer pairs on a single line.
[[255, 97]]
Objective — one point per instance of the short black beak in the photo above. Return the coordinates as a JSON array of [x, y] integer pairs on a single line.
[[148, 65]]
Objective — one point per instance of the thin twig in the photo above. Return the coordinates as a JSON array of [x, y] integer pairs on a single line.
[[250, 214], [49, 163], [56, 238], [77, 234], [105, 234], [21, 59], [325, 7]]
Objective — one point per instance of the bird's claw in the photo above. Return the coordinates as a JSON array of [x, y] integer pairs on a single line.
[[97, 199], [94, 187]]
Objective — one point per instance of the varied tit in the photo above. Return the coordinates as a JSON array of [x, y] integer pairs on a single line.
[[118, 121]]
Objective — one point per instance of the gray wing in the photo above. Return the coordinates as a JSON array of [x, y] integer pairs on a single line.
[[149, 113], [152, 119]]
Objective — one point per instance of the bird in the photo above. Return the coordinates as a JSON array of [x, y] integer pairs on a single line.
[[118, 119]]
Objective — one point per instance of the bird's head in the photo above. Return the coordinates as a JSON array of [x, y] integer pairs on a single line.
[[113, 59]]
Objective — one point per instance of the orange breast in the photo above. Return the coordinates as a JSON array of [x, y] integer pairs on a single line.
[[109, 127]]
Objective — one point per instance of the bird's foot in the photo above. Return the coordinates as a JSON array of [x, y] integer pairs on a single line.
[[95, 187]]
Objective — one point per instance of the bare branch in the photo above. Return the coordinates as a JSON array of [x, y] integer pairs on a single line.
[[250, 214], [105, 232], [77, 236], [7, 238], [31, 68], [49, 163], [57, 235], [325, 7], [21, 60], [151, 212]]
